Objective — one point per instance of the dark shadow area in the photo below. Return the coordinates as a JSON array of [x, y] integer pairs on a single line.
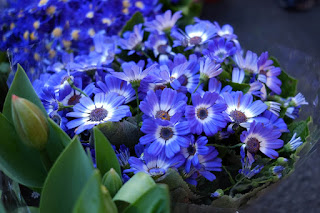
[[293, 38]]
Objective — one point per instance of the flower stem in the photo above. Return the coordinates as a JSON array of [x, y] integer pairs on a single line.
[[76, 88], [138, 103], [230, 176], [230, 147]]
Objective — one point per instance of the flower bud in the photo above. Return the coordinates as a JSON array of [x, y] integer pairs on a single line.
[[30, 123], [112, 181], [217, 193], [282, 161]]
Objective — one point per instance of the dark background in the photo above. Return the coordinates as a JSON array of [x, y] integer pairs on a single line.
[[293, 38]]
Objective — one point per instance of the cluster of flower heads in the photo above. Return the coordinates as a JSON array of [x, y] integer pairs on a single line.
[[39, 32], [189, 89]]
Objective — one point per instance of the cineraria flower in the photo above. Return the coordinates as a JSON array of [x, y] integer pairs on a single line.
[[219, 49], [275, 121], [194, 149], [277, 170], [296, 101], [209, 162], [226, 31], [242, 110], [293, 112], [123, 155], [270, 79], [164, 22], [113, 84], [248, 63], [205, 115], [209, 69], [154, 165], [168, 75], [261, 138], [246, 166], [163, 104], [133, 73], [237, 75], [274, 107], [264, 63], [294, 143], [194, 35], [132, 40], [165, 136], [104, 108], [216, 86], [160, 46]]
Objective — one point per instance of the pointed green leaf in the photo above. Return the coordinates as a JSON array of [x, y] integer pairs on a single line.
[[66, 179], [105, 155], [137, 18], [22, 87], [132, 190], [156, 200], [18, 161], [94, 197], [238, 87]]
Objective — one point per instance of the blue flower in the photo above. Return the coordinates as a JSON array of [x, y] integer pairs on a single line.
[[249, 63], [165, 136], [163, 104], [261, 138], [209, 69], [242, 110], [264, 63], [209, 163], [123, 155], [154, 165], [293, 112], [194, 35], [269, 78], [132, 40], [246, 166], [275, 121], [216, 86], [164, 22], [194, 149], [226, 31], [160, 46], [205, 115], [277, 170], [113, 84], [104, 108], [133, 73], [219, 49], [294, 143]]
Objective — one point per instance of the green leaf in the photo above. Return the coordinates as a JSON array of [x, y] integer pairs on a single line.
[[224, 76], [237, 87], [299, 127], [289, 84], [17, 160], [66, 179], [156, 200], [22, 87], [137, 18], [132, 190], [94, 197], [125, 132], [57, 141], [105, 155]]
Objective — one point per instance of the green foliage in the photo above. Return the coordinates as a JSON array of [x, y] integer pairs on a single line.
[[26, 91], [105, 156], [124, 132], [18, 161], [237, 87], [112, 181], [137, 18], [130, 192], [289, 84], [66, 179], [299, 127], [155, 200], [94, 197]]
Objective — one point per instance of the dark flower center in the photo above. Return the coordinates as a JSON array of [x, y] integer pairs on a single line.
[[195, 40], [162, 49], [253, 145], [74, 100], [183, 80], [238, 116], [98, 114], [202, 113], [221, 54], [166, 133], [163, 115], [191, 150], [161, 87]]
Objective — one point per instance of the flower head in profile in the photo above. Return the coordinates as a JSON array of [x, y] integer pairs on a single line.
[[294, 143], [154, 165], [261, 138], [195, 148], [246, 170], [165, 136], [205, 115], [249, 62], [242, 110], [104, 108], [209, 69], [209, 163], [163, 104], [132, 40], [164, 22]]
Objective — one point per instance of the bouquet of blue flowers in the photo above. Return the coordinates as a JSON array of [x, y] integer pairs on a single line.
[[161, 112]]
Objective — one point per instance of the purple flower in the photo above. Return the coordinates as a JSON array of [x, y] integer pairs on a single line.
[[219, 49], [164, 22]]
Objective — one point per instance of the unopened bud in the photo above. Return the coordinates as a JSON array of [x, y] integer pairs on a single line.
[[217, 193], [282, 161], [30, 123], [112, 181]]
